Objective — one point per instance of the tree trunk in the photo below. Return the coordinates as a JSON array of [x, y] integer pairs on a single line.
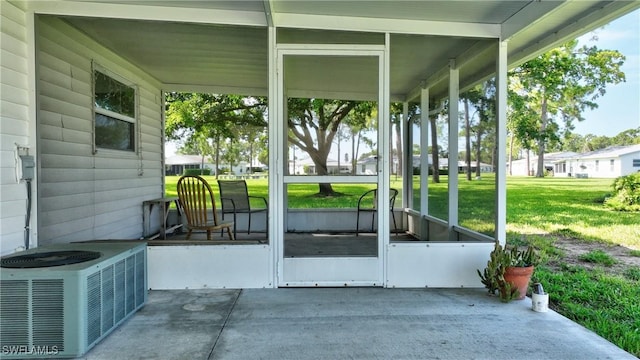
[[434, 150], [338, 156], [399, 150], [511, 142], [467, 138], [325, 189], [542, 141], [354, 155], [217, 155], [478, 151], [529, 163], [250, 156]]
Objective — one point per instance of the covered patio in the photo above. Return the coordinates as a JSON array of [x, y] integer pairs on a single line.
[[63, 54], [94, 160]]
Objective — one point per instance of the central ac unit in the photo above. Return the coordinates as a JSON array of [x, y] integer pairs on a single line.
[[59, 301]]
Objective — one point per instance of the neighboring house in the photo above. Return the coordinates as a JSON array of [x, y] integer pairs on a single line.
[[553, 162], [175, 165], [611, 162], [367, 166], [83, 85], [484, 168], [306, 166]]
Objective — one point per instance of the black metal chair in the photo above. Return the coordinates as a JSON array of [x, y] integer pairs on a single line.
[[368, 202], [235, 199]]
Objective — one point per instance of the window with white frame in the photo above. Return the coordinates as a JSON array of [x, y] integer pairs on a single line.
[[612, 164], [115, 113], [597, 165]]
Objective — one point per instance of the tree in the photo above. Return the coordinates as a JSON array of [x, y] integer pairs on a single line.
[[313, 125], [194, 118], [559, 85], [482, 99], [226, 119], [358, 123], [438, 128], [628, 137], [413, 117]]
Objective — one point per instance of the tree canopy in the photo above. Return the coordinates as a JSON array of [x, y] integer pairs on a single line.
[[551, 91]]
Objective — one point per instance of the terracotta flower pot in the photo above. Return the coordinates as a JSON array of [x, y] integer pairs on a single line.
[[519, 278]]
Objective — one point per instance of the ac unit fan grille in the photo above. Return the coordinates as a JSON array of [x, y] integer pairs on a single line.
[[32, 313], [47, 259]]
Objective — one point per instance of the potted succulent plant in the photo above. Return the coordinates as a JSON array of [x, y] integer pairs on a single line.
[[508, 272]]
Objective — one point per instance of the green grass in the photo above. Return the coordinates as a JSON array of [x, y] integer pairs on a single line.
[[539, 211], [606, 304], [566, 206], [559, 206], [598, 257]]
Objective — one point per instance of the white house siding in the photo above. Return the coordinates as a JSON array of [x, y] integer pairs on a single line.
[[626, 163], [86, 196], [622, 165], [14, 124]]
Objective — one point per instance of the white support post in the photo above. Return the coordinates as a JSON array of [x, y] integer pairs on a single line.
[[454, 89], [501, 141], [384, 127], [424, 152], [407, 160], [275, 173]]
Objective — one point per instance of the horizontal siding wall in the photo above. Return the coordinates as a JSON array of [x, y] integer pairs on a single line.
[[87, 196], [14, 124], [624, 165]]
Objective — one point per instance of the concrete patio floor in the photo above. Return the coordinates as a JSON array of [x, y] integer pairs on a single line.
[[347, 323]]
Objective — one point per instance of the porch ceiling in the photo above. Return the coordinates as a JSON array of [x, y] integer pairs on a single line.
[[222, 46]]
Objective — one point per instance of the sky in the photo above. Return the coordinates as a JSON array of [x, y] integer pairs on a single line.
[[619, 108]]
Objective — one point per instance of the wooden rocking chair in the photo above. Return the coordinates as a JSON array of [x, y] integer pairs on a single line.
[[196, 199]]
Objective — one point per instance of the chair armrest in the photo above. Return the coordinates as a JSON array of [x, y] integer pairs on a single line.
[[233, 204], [266, 205]]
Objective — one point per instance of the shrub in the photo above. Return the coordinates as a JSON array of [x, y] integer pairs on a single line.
[[196, 172], [626, 193]]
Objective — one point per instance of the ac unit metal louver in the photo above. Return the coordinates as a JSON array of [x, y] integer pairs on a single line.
[[62, 311]]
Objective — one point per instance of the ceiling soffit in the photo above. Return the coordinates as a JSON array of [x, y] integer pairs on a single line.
[[232, 56]]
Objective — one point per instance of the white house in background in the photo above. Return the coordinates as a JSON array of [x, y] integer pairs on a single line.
[[611, 162], [175, 165], [553, 162], [306, 166], [484, 168]]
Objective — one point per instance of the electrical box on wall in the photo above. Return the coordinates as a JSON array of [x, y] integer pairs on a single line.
[[28, 167]]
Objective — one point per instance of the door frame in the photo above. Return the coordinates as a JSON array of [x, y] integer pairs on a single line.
[[331, 271]]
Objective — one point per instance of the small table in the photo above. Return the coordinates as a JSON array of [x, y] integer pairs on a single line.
[[164, 203]]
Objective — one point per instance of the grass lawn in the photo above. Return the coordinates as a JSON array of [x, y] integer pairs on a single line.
[[560, 206], [595, 290]]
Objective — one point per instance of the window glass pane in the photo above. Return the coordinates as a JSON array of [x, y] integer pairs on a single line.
[[113, 95], [112, 133]]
